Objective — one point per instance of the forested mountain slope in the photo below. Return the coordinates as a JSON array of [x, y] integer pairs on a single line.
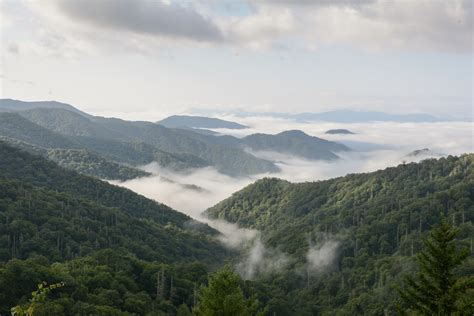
[[377, 219], [14, 126], [19, 131], [49, 214], [91, 164], [61, 127], [10, 105], [228, 159], [295, 143]]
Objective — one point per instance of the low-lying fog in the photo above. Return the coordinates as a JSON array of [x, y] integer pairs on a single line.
[[375, 146]]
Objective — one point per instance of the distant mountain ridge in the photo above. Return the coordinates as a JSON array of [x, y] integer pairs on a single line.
[[296, 143], [350, 116], [339, 131], [11, 105], [198, 122], [337, 116], [61, 128], [140, 142]]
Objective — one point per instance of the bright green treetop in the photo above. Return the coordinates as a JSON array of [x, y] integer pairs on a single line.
[[224, 296], [436, 290]]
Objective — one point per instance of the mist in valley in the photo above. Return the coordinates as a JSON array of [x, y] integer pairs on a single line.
[[378, 145]]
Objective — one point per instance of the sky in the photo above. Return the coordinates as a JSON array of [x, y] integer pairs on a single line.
[[148, 59]]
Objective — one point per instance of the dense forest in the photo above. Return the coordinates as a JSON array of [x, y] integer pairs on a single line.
[[119, 253], [377, 221], [103, 241]]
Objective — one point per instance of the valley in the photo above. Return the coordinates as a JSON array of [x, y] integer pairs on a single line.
[[310, 225]]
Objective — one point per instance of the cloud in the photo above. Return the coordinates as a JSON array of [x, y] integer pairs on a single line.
[[321, 257], [260, 260], [13, 48], [144, 17], [146, 25], [450, 138], [370, 25]]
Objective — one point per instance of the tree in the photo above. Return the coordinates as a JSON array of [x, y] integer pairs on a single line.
[[436, 290], [183, 310], [224, 296], [38, 297]]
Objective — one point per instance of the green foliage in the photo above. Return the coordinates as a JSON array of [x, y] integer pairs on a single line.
[[57, 225], [183, 310], [224, 296], [35, 171], [437, 290], [379, 219], [88, 163], [106, 282], [38, 297]]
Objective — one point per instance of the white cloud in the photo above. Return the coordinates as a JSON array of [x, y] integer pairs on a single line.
[[145, 25], [143, 17], [370, 25]]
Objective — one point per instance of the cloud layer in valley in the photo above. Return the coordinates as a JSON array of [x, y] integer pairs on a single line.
[[392, 141], [211, 187]]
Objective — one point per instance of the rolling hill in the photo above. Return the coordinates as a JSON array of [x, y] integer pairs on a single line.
[[374, 222], [227, 159], [138, 143], [10, 105], [53, 220], [295, 143]]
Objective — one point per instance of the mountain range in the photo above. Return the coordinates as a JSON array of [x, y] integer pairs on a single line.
[[337, 116], [52, 125]]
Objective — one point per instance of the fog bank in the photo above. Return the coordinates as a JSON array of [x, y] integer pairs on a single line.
[[386, 144]]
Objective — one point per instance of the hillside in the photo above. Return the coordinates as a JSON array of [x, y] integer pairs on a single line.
[[10, 105], [295, 143], [376, 219], [20, 131], [15, 126], [82, 161], [106, 158], [53, 219], [227, 159], [176, 148], [91, 164], [198, 122]]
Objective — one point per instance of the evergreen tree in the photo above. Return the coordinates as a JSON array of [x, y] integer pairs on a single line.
[[224, 296], [436, 290]]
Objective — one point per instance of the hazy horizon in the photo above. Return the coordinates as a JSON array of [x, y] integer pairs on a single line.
[[158, 58]]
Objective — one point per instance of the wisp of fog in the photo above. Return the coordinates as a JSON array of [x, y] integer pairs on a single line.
[[386, 144]]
